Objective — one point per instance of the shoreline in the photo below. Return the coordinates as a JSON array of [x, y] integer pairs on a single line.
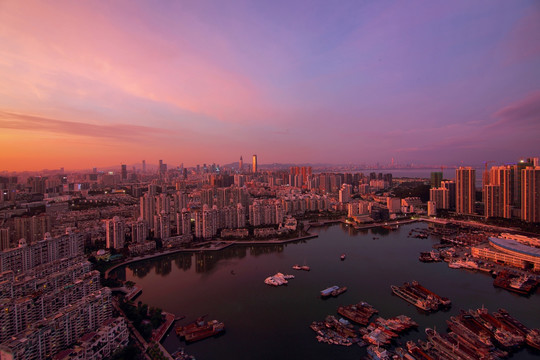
[[223, 245]]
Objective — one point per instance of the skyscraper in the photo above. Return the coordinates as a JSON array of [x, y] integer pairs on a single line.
[[254, 164], [115, 233], [451, 186], [492, 201], [124, 172], [148, 209], [144, 166], [498, 192], [530, 194], [241, 164], [465, 190], [139, 231]]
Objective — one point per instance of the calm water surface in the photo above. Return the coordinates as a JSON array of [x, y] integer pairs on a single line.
[[266, 322]]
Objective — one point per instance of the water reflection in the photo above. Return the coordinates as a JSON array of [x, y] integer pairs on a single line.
[[380, 231], [164, 266], [349, 230], [204, 260], [141, 269], [183, 261], [265, 249]]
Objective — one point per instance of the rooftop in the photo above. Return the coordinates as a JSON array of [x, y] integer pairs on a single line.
[[513, 245]]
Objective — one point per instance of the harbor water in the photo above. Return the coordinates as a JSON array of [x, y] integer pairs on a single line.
[[268, 322]]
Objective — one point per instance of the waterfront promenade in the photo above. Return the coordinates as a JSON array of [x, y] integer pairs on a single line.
[[386, 223]]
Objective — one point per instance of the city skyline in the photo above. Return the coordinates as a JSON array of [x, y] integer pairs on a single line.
[[96, 84]]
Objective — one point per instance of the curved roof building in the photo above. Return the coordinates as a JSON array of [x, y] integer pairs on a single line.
[[510, 252]]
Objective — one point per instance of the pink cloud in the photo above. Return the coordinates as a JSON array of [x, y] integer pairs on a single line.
[[80, 41], [522, 113], [37, 123]]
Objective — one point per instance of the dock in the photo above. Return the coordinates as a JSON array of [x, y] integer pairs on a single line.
[[159, 333]]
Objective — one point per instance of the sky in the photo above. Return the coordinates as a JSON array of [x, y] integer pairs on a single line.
[[99, 83]]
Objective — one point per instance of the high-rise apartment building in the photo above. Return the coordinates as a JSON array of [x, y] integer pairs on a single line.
[[148, 209], [451, 187], [497, 192], [522, 164], [124, 172], [436, 178], [254, 164], [139, 231], [115, 235], [163, 226], [4, 239], [183, 222], [28, 256], [492, 201], [345, 193], [465, 190], [48, 336], [440, 197], [530, 194]]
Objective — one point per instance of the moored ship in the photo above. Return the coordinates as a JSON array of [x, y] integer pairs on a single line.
[[328, 291], [358, 313], [339, 291], [407, 296], [521, 284], [199, 330]]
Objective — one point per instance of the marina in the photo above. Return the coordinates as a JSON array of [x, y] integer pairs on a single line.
[[194, 284]]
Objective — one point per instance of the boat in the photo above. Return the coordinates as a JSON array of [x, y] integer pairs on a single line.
[[377, 353], [278, 279], [533, 338], [403, 354], [305, 268], [297, 267], [342, 257], [212, 328], [339, 291], [440, 300], [416, 301], [417, 352], [359, 313], [328, 291], [520, 285]]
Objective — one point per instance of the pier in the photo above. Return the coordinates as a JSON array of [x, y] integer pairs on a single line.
[[159, 333]]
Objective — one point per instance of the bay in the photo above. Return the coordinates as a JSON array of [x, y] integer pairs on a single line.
[[266, 322]]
